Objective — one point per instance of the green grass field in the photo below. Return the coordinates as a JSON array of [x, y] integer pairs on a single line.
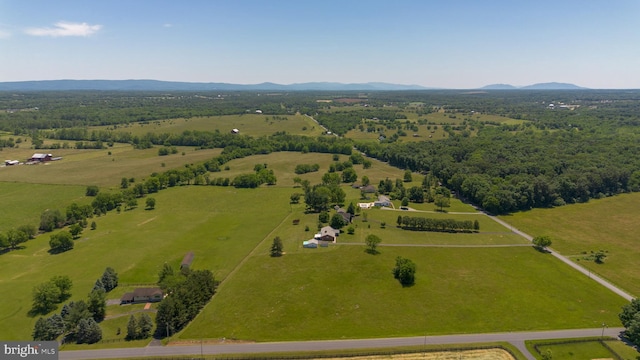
[[221, 226], [23, 203], [97, 167], [250, 124], [343, 292], [609, 224], [583, 349]]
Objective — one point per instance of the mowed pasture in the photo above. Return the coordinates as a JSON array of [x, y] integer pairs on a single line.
[[220, 225], [103, 167], [23, 203], [255, 125], [609, 224], [344, 292]]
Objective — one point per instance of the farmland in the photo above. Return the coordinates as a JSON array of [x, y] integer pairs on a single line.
[[578, 230], [476, 282]]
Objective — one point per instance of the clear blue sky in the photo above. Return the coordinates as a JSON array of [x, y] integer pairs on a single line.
[[452, 44]]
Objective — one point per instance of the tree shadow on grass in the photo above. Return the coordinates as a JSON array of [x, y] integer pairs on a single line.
[[372, 251], [57, 251], [33, 312], [6, 250], [541, 250]]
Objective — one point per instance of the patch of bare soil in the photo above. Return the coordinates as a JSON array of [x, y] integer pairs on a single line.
[[487, 354]]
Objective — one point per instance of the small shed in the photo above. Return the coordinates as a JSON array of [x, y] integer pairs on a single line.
[[310, 244], [187, 260]]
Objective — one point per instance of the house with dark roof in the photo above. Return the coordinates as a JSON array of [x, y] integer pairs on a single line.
[[140, 295], [327, 233], [345, 215]]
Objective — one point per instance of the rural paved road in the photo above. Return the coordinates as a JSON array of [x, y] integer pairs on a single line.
[[516, 338], [565, 260]]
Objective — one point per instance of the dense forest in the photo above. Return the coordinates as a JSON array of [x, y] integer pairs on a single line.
[[569, 146]]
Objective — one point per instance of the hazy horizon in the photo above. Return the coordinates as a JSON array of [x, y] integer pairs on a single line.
[[461, 44]]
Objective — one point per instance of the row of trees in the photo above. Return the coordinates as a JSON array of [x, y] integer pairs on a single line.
[[188, 291], [430, 224]]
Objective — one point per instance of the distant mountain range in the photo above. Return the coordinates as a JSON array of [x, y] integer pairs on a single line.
[[541, 86], [156, 85]]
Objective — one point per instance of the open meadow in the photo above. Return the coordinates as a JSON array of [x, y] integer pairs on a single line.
[[609, 224], [249, 124], [221, 226], [103, 167], [23, 203], [344, 292]]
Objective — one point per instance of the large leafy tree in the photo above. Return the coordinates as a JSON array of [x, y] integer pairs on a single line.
[[16, 237], [630, 318], [541, 242], [372, 242], [61, 242], [45, 297], [404, 271], [337, 221]]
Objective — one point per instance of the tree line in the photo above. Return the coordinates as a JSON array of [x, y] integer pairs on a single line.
[[188, 292], [430, 224]]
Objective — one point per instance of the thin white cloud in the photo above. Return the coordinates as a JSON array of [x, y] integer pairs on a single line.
[[4, 34], [63, 28], [167, 25]]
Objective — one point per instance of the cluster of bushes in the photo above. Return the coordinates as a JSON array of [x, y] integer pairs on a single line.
[[429, 224], [306, 168], [166, 150], [261, 176]]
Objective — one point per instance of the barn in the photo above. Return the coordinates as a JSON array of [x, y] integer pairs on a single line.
[[41, 157]]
